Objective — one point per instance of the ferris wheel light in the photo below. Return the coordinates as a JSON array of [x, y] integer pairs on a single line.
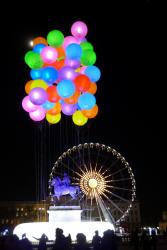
[[92, 183]]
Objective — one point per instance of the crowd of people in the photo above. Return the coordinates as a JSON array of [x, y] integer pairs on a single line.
[[109, 241]]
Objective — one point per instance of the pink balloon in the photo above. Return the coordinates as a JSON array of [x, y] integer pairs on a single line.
[[79, 30], [38, 115], [68, 40], [28, 105], [49, 54]]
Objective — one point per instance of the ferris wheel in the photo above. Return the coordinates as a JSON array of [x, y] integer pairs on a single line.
[[106, 181]]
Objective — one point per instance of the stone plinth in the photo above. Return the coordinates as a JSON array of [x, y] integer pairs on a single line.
[[64, 213]]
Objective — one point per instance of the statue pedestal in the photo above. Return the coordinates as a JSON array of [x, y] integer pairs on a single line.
[[64, 213]]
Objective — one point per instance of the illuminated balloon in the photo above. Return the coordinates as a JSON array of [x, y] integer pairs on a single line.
[[55, 38], [27, 105], [93, 73], [79, 29], [88, 57], [86, 46], [61, 53], [49, 54], [79, 119], [86, 101], [36, 73], [38, 96], [73, 51], [72, 63], [39, 40], [49, 75], [38, 83], [82, 83], [91, 113], [52, 94], [65, 88], [67, 73], [33, 60], [68, 40], [68, 109], [38, 48], [93, 88], [53, 119], [28, 86], [38, 114]]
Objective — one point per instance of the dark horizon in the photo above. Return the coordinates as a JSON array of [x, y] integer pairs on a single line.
[[128, 42]]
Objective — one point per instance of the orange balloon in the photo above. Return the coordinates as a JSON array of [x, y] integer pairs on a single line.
[[93, 88], [38, 40], [82, 83], [91, 113], [55, 110], [52, 94], [61, 53], [73, 99], [28, 86]]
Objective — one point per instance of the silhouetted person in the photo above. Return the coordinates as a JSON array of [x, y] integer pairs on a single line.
[[135, 240], [60, 241], [145, 242], [96, 241], [42, 242], [25, 244], [153, 240], [109, 240], [81, 242]]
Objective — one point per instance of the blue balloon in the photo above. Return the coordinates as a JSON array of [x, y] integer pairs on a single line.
[[65, 88], [73, 51], [36, 73], [93, 73], [48, 105], [86, 101], [38, 48], [49, 74]]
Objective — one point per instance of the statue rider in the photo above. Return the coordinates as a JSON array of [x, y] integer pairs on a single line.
[[66, 180]]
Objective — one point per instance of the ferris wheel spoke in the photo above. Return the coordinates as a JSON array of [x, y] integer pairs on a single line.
[[123, 179], [118, 196], [119, 188], [67, 167], [118, 171], [113, 203]]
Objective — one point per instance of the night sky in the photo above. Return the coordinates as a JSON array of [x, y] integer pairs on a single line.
[[129, 43]]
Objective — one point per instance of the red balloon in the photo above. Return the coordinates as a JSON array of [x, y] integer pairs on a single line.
[[82, 83], [52, 94]]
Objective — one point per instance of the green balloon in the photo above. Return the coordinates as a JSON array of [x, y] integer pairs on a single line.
[[33, 60], [88, 57], [55, 38], [86, 46]]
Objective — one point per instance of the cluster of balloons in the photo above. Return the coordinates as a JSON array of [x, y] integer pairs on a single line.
[[63, 77]]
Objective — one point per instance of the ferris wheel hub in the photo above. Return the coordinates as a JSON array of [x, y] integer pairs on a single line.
[[92, 183]]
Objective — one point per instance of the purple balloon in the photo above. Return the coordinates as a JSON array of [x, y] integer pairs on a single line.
[[67, 73], [27, 105], [38, 96], [68, 109], [72, 63], [38, 115]]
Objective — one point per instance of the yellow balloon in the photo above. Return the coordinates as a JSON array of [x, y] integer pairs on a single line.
[[38, 84], [79, 119], [53, 119]]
